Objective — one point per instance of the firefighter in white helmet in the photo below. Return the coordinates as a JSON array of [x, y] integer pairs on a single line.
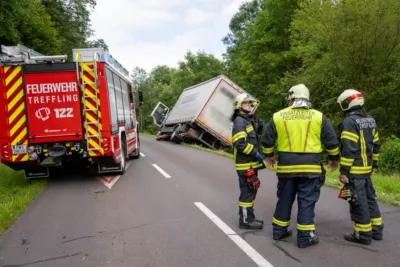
[[299, 133], [360, 147], [247, 158]]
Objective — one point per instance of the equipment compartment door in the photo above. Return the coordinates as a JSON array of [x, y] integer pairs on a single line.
[[53, 106]]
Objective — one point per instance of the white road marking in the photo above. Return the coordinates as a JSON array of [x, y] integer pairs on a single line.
[[243, 245], [109, 181], [141, 154], [166, 175]]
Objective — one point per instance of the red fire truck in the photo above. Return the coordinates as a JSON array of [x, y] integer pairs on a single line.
[[58, 113]]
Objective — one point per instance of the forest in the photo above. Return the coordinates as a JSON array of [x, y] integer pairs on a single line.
[[271, 45], [51, 27], [329, 46]]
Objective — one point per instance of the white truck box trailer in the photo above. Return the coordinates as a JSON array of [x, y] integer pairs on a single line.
[[203, 112]]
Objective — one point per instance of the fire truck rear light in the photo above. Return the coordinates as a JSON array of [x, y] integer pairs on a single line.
[[106, 144], [5, 152]]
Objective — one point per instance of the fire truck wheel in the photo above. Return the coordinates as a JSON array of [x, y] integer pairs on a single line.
[[123, 157], [136, 153]]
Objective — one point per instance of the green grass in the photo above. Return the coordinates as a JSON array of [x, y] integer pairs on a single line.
[[217, 152], [16, 194], [145, 133], [387, 187]]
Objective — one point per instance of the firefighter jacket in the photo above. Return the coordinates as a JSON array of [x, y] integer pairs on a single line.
[[299, 135], [245, 142], [360, 145]]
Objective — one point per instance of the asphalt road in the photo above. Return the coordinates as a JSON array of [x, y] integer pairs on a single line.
[[159, 216]]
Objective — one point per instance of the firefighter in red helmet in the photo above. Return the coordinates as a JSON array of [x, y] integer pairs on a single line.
[[360, 148]]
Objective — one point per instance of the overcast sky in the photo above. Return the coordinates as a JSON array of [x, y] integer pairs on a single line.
[[147, 33]]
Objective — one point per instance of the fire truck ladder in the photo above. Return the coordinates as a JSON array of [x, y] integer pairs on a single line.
[[92, 136], [22, 54]]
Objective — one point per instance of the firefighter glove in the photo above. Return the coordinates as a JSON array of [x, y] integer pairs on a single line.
[[252, 178], [345, 193], [256, 183], [259, 157]]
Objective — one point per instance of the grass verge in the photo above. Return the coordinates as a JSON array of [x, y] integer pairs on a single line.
[[387, 187], [146, 134], [16, 194]]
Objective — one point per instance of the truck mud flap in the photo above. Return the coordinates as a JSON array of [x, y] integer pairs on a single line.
[[108, 168], [36, 172]]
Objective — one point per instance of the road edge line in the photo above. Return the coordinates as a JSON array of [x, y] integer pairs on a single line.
[[114, 178]]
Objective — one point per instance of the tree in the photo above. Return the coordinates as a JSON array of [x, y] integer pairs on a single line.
[[166, 84], [350, 45], [258, 52], [26, 22], [72, 21], [198, 67], [99, 43]]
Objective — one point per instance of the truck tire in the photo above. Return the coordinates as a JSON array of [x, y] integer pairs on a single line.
[[175, 135], [136, 153], [158, 136], [123, 156]]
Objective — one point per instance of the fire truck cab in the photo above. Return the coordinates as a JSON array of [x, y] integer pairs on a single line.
[[59, 112]]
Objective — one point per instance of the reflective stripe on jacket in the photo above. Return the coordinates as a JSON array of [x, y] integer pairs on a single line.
[[360, 145], [299, 135], [245, 143]]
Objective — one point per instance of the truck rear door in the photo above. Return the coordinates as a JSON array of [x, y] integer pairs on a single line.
[[53, 105], [218, 111]]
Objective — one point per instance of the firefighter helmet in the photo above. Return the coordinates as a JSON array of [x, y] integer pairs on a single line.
[[350, 98], [299, 91], [243, 98]]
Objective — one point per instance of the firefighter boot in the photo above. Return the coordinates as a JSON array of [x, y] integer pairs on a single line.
[[312, 241], [282, 236], [377, 237], [251, 215], [258, 220], [252, 224], [377, 232], [356, 238]]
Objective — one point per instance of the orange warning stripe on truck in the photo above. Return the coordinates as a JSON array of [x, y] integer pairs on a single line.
[[15, 105]]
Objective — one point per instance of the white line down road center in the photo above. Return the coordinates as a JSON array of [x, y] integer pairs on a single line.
[[243, 245], [166, 175]]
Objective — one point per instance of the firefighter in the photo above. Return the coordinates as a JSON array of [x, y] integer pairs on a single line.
[[299, 132], [360, 148], [248, 159]]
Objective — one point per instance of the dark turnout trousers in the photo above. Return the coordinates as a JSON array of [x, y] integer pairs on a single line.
[[307, 191], [364, 209]]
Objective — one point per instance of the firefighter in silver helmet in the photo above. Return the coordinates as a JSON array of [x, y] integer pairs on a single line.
[[247, 158], [360, 148], [299, 133]]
